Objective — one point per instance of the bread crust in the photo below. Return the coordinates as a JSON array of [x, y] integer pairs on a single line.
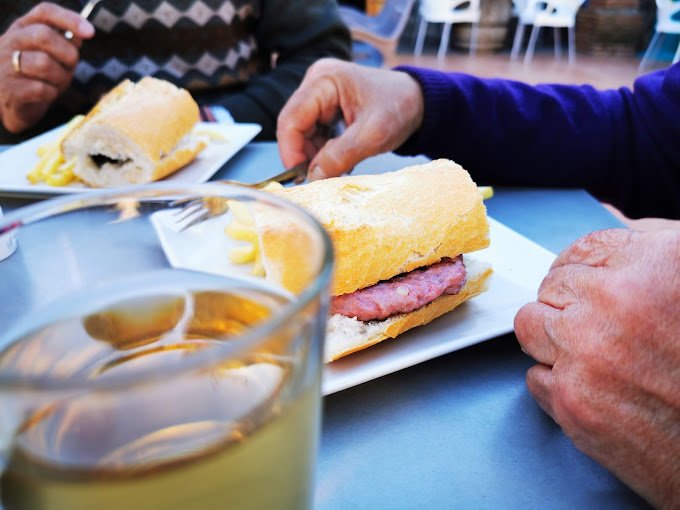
[[149, 120], [337, 347], [294, 242], [387, 224]]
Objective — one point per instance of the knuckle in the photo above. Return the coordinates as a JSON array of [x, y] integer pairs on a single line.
[[37, 91], [71, 56], [567, 405], [325, 67], [573, 405], [521, 323], [43, 63], [619, 297], [551, 282], [42, 10], [285, 122], [41, 35]]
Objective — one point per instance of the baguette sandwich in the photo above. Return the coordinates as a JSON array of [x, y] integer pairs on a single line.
[[137, 133], [399, 240]]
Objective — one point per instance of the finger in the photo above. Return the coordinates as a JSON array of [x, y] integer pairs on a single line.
[[339, 155], [301, 115], [566, 285], [540, 381], [43, 38], [35, 91], [535, 331], [594, 249], [58, 17], [39, 65]]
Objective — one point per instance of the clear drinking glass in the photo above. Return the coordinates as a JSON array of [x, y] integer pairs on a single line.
[[140, 368]]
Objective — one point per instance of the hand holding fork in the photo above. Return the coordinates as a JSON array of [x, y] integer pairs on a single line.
[[37, 62]]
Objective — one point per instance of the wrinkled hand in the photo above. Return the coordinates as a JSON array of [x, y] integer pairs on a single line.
[[380, 109], [606, 334], [48, 61]]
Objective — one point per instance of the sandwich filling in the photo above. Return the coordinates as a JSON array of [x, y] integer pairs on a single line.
[[403, 293], [100, 160]]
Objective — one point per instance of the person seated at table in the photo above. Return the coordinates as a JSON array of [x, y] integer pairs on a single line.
[[605, 328], [247, 57]]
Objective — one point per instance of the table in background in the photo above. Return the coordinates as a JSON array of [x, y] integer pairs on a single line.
[[459, 431]]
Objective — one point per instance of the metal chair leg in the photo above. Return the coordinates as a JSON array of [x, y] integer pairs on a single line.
[[418, 50], [532, 44], [444, 44], [557, 43], [572, 45], [517, 43], [648, 51], [474, 36]]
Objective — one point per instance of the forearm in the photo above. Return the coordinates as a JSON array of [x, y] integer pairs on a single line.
[[618, 144]]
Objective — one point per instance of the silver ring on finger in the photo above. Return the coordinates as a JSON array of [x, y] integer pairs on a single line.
[[16, 61]]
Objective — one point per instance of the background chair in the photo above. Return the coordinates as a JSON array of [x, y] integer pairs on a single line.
[[381, 31], [667, 22], [545, 13], [448, 12]]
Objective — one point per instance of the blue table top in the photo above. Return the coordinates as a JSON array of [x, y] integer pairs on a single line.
[[459, 431]]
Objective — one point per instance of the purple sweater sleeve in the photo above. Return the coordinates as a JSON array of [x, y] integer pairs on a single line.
[[621, 145]]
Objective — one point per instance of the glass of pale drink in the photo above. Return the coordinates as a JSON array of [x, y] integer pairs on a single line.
[[148, 365]]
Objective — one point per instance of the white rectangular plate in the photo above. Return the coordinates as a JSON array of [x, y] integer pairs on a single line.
[[17, 161], [519, 266]]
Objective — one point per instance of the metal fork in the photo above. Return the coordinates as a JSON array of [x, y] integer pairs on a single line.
[[197, 210], [84, 13]]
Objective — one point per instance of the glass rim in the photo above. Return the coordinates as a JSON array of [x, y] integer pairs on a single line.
[[33, 213]]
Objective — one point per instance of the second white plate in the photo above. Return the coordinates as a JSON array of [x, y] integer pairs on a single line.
[[519, 267], [17, 161]]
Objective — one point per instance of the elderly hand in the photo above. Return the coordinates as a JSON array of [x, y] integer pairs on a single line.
[[380, 109], [32, 79], [606, 334]]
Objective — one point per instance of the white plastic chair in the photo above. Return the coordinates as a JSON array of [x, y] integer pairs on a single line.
[[381, 31], [667, 22], [545, 13], [448, 12]]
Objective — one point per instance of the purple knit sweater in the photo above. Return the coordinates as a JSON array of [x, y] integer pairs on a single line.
[[621, 145]]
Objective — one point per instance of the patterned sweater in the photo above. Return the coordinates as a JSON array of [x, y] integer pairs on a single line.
[[247, 56]]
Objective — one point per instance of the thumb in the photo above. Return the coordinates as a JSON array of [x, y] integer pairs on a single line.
[[340, 155]]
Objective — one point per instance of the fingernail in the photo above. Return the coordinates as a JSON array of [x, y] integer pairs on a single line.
[[317, 174], [85, 28]]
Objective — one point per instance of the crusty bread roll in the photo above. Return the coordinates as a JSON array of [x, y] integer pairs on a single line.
[[137, 133], [382, 226], [387, 224]]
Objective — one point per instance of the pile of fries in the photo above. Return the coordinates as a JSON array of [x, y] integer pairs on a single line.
[[242, 228], [51, 168]]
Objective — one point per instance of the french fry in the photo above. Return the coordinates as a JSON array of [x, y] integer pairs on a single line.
[[486, 191], [241, 212], [211, 135], [258, 268], [243, 254], [51, 167], [240, 232], [242, 228], [63, 175]]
